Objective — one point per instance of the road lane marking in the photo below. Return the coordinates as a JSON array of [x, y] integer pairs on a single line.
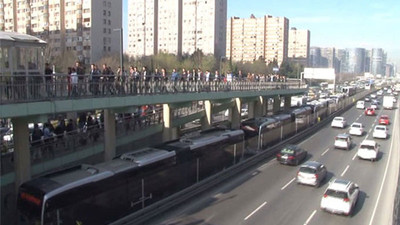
[[384, 176], [288, 183], [354, 157], [254, 173], [345, 170], [310, 217], [259, 207], [325, 152], [217, 195]]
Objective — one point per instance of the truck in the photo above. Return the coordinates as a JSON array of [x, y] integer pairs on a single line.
[[388, 102]]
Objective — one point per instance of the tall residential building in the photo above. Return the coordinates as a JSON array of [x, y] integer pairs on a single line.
[[356, 60], [84, 27], [177, 27], [377, 61], [328, 57], [315, 57], [254, 38], [299, 46], [299, 43]]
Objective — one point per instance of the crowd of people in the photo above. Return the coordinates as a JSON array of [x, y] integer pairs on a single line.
[[106, 81]]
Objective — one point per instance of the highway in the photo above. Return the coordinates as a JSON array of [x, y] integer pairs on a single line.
[[269, 194]]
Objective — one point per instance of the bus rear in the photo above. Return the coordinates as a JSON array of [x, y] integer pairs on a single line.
[[29, 203]]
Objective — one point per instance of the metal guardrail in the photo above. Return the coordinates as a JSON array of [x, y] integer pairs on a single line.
[[19, 88], [151, 211]]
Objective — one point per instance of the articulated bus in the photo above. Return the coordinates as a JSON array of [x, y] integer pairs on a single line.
[[349, 90], [102, 193]]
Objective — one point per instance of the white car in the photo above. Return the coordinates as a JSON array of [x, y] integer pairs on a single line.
[[360, 105], [340, 197], [343, 141], [380, 131], [368, 150], [373, 95], [380, 92], [374, 106], [356, 129], [339, 122]]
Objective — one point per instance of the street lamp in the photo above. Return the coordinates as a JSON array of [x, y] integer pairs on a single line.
[[121, 44]]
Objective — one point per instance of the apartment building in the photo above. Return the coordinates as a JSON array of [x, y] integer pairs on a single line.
[[299, 43], [84, 27], [176, 26], [250, 39]]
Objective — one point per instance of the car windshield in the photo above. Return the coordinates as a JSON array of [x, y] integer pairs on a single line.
[[287, 151], [356, 126], [369, 147], [380, 128], [384, 117], [338, 119], [336, 194], [306, 169], [341, 139]]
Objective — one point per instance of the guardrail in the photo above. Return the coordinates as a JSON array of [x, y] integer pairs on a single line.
[[140, 217], [19, 88]]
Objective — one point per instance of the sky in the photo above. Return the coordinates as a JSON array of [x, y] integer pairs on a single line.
[[332, 23]]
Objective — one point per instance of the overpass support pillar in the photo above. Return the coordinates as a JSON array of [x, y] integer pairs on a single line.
[[288, 100], [264, 105], [252, 109], [22, 153], [169, 132], [235, 116], [109, 135], [206, 122], [276, 107]]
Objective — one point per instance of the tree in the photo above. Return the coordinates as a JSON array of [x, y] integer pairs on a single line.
[[63, 61]]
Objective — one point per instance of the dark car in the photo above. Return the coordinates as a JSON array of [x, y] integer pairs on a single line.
[[291, 154]]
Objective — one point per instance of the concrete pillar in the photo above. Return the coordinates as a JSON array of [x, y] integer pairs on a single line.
[[167, 117], [234, 115], [22, 154], [206, 123], [277, 105], [252, 109], [263, 105], [288, 100], [109, 135]]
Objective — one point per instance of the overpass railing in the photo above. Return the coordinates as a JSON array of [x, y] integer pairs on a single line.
[[20, 88]]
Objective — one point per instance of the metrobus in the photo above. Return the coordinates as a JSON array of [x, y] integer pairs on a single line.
[[102, 193], [349, 90]]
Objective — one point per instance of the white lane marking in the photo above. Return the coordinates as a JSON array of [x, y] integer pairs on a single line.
[[288, 184], [355, 155], [259, 207], [325, 152], [310, 217], [217, 195], [254, 173], [384, 177], [345, 170]]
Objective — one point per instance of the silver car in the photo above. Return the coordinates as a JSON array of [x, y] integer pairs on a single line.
[[311, 173]]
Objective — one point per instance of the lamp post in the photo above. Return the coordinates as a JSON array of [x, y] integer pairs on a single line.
[[121, 45]]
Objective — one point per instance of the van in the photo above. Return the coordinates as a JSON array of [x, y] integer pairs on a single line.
[[360, 105]]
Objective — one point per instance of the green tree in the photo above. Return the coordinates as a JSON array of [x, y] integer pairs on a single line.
[[63, 61], [208, 63]]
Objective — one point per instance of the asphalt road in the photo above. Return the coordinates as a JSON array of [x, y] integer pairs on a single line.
[[269, 194]]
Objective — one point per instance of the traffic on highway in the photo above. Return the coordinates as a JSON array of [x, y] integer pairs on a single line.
[[356, 180]]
